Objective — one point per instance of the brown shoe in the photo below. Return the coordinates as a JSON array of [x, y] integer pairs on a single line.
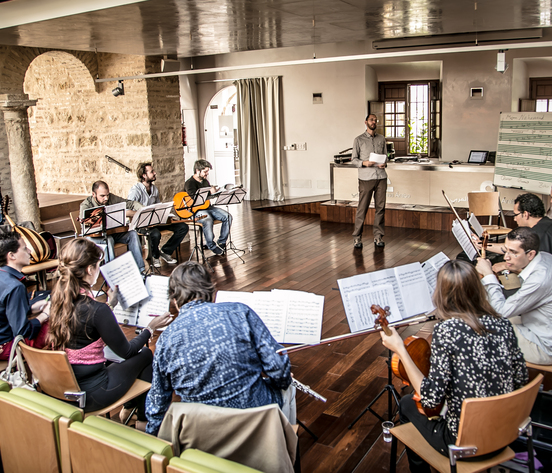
[[379, 242], [357, 242]]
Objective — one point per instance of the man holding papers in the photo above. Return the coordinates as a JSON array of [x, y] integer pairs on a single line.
[[215, 353], [369, 156], [147, 193], [101, 197], [530, 308]]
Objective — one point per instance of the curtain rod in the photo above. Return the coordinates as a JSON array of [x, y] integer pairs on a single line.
[[232, 80]]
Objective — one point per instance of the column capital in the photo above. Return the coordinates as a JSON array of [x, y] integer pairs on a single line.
[[16, 102]]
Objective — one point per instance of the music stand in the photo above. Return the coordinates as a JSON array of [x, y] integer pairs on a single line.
[[199, 198], [145, 218], [228, 197]]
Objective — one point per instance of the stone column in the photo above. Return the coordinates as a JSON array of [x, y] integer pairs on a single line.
[[21, 157]]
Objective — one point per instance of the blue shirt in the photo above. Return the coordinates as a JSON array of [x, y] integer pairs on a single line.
[[14, 307], [214, 354]]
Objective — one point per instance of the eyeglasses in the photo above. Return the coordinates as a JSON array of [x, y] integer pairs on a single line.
[[516, 214], [511, 253]]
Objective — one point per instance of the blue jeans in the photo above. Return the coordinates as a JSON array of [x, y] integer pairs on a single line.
[[212, 214], [131, 239]]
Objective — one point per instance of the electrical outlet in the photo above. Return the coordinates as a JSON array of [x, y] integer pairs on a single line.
[[293, 147], [301, 146]]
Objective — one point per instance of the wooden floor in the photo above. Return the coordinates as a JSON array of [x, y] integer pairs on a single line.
[[295, 251]]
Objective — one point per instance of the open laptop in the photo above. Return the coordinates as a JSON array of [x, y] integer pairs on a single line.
[[478, 157]]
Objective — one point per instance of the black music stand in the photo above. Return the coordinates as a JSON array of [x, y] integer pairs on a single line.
[[199, 198], [228, 197], [143, 219]]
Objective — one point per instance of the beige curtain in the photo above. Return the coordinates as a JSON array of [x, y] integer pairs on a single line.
[[259, 138]]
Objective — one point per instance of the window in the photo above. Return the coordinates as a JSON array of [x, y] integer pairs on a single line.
[[412, 116], [541, 92]]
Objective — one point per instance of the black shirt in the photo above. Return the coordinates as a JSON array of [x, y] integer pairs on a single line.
[[192, 186], [544, 230]]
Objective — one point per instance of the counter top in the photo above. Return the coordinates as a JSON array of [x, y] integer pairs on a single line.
[[431, 166]]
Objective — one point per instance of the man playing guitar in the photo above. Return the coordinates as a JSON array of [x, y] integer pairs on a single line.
[[211, 213], [100, 197]]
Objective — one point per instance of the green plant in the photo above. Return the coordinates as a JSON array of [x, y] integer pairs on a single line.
[[417, 143]]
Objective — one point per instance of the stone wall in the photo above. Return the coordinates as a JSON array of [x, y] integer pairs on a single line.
[[77, 122]]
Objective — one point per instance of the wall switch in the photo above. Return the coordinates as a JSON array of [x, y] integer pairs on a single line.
[[293, 146], [301, 146]]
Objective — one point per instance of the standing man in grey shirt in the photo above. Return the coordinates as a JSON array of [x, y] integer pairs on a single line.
[[530, 308], [372, 179]]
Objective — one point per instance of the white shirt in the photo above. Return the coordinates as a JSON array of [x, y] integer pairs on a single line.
[[533, 301], [139, 193]]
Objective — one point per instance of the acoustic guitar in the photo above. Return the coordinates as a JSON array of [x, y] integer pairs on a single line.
[[187, 212], [40, 250], [420, 352]]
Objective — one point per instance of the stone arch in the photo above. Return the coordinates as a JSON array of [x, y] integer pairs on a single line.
[[16, 61]]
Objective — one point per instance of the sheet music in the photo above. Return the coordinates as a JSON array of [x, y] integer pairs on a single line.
[[409, 287], [155, 214], [476, 225], [361, 301], [115, 215], [123, 272], [128, 316], [463, 239], [158, 301], [431, 268], [290, 316]]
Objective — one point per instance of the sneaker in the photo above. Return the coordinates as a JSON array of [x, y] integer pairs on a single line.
[[156, 262], [379, 242], [217, 251], [222, 246], [168, 258], [357, 242]]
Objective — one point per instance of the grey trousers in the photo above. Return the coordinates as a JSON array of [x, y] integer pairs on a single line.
[[378, 188]]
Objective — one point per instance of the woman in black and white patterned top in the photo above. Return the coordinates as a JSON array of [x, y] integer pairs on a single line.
[[474, 353]]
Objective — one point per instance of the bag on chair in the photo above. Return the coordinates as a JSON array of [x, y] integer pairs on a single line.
[[16, 378]]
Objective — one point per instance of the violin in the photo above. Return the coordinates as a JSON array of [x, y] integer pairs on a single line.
[[484, 243], [420, 352], [182, 203]]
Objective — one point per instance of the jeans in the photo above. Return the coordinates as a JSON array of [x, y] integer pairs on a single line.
[[131, 239], [179, 230], [212, 214]]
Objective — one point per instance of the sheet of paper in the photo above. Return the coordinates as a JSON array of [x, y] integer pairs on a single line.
[[361, 302], [127, 316], [123, 272], [461, 232], [377, 158], [414, 289], [304, 316], [155, 214], [115, 215], [111, 356], [476, 225], [158, 301], [431, 268]]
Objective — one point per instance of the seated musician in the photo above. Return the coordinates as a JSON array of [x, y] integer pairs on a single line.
[[211, 213], [101, 196], [215, 353], [474, 353], [83, 326], [147, 193], [530, 308], [15, 306]]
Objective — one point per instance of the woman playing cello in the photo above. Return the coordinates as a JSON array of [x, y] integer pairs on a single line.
[[474, 353]]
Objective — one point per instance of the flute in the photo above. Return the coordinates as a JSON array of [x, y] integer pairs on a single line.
[[307, 389]]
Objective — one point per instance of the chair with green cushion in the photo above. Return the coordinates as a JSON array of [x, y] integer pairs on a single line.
[[4, 386], [39, 423], [99, 445], [196, 461]]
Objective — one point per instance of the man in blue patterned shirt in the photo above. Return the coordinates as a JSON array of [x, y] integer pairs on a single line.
[[215, 354]]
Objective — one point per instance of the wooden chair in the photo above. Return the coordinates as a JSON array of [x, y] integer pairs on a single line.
[[486, 425], [543, 368], [98, 445], [32, 427], [487, 204], [196, 461], [55, 377], [40, 270]]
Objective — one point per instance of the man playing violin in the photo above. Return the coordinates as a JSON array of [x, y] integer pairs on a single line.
[[147, 193], [530, 308], [101, 196], [211, 213], [474, 353]]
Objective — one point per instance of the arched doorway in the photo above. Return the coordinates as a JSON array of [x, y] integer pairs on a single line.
[[221, 126]]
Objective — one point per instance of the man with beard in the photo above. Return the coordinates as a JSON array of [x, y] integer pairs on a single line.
[[372, 179], [211, 213], [147, 193]]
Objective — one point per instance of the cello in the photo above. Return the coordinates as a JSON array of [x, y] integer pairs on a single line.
[[419, 350]]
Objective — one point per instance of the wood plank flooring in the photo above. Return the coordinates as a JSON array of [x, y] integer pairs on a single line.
[[298, 251]]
